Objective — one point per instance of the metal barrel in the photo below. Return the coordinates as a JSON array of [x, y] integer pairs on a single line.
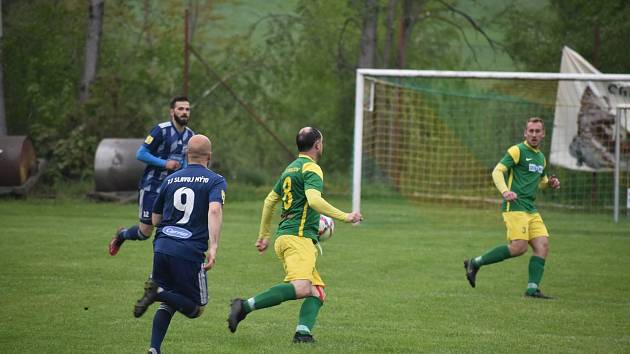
[[115, 165], [17, 160]]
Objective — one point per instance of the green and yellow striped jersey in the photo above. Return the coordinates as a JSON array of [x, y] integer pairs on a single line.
[[526, 167], [298, 218]]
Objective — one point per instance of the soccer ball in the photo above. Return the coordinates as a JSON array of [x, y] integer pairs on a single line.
[[326, 228]]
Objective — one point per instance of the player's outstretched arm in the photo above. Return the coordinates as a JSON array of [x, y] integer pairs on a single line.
[[354, 217], [215, 221], [317, 202], [269, 206]]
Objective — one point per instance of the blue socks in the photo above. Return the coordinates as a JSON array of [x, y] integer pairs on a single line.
[[161, 321], [133, 233], [171, 302]]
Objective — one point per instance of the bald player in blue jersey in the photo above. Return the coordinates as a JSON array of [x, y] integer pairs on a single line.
[[188, 213], [164, 151]]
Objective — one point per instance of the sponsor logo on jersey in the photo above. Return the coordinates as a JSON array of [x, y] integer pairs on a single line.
[[535, 168], [175, 231], [148, 140]]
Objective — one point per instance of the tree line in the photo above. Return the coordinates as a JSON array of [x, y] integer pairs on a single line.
[[75, 72]]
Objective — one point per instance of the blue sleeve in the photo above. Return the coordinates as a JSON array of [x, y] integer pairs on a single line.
[[145, 156], [217, 192]]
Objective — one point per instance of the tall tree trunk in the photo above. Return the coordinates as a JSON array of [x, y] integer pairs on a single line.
[[406, 21], [410, 14], [389, 33], [368, 34], [92, 47], [404, 27], [3, 116]]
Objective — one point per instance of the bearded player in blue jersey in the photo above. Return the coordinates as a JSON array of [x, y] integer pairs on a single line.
[[163, 151], [188, 213]]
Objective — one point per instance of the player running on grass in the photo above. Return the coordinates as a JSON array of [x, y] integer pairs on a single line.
[[526, 170], [299, 190], [188, 213], [164, 151]]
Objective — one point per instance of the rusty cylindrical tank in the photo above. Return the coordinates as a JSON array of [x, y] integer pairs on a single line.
[[17, 160], [116, 168]]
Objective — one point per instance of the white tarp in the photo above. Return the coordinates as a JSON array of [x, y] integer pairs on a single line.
[[584, 122]]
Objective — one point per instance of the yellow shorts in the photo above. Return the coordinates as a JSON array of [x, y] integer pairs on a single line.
[[524, 226], [298, 256]]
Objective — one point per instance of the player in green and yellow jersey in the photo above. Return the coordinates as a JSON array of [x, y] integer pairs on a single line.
[[525, 167], [299, 190]]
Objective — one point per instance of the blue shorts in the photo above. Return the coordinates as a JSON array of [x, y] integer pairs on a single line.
[[146, 200], [182, 276]]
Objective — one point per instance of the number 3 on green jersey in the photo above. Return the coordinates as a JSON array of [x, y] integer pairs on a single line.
[[287, 196]]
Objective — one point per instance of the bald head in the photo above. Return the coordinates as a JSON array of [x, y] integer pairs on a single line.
[[199, 150], [306, 138], [310, 141]]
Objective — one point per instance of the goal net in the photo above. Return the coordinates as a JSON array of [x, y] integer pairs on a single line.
[[437, 136]]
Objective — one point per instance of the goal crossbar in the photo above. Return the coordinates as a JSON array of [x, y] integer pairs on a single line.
[[504, 75]]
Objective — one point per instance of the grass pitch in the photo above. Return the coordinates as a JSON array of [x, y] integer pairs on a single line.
[[395, 284]]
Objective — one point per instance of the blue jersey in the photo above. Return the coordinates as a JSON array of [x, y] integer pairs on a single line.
[[183, 202], [165, 142]]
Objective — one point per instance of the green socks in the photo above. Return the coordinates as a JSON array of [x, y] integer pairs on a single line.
[[308, 314], [281, 293], [270, 297], [500, 253], [494, 255], [536, 269]]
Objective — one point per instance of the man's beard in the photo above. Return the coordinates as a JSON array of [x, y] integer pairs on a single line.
[[180, 121]]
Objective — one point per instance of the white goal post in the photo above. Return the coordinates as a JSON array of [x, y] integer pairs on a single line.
[[364, 100]]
